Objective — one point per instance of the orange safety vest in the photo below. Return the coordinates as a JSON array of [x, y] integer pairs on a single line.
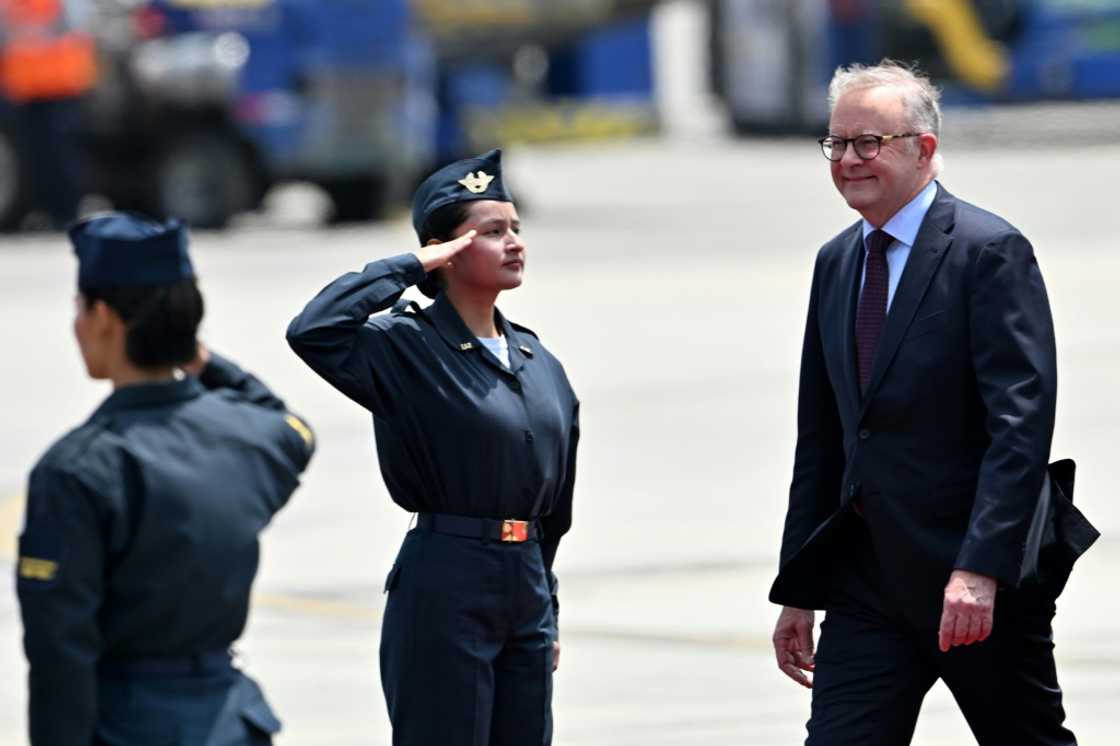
[[41, 57]]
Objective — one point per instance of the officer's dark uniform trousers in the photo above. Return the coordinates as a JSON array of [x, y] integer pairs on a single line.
[[137, 560], [470, 620], [466, 645], [875, 665]]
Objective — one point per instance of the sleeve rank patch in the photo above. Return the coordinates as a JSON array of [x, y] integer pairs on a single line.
[[33, 568], [304, 431]]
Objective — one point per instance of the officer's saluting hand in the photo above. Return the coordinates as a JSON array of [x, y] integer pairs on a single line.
[[437, 254]]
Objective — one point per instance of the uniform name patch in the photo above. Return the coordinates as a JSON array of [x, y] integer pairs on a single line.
[[33, 568]]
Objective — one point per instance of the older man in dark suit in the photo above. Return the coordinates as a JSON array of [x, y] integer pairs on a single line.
[[921, 514]]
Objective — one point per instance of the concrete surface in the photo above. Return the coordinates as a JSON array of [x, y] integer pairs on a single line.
[[671, 277]]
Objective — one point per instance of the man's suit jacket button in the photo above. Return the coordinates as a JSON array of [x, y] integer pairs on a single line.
[[864, 434]]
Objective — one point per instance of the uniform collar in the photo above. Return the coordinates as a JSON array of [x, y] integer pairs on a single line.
[[455, 332], [143, 395]]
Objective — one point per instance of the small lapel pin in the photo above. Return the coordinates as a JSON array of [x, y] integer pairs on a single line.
[[525, 348], [466, 346]]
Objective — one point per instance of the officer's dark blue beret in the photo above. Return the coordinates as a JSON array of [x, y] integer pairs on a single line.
[[468, 180], [119, 248]]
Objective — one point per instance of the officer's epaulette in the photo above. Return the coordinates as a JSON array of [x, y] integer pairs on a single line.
[[525, 329], [404, 305]]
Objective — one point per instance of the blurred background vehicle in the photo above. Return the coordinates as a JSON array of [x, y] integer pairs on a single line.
[[202, 105], [197, 108], [47, 68], [772, 59], [222, 100]]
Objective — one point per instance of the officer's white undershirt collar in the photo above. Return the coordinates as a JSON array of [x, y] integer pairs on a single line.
[[498, 346]]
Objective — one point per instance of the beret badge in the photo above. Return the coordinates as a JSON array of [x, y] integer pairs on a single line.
[[477, 183]]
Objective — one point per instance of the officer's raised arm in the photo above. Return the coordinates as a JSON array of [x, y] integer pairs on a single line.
[[217, 372], [297, 441], [331, 334]]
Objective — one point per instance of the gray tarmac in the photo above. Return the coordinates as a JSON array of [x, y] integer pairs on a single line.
[[671, 277]]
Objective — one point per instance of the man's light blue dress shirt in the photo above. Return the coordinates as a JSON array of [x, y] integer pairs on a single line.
[[904, 227]]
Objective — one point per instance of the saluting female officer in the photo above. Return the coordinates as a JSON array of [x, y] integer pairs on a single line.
[[476, 430], [140, 544]]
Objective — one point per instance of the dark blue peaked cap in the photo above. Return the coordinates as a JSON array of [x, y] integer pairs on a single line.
[[468, 180], [118, 248]]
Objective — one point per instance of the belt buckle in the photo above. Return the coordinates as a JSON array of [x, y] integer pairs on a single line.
[[515, 531]]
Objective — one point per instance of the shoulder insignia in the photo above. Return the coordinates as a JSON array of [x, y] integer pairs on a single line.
[[304, 431], [40, 550], [34, 568]]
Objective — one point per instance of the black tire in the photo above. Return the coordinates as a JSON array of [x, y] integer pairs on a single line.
[[357, 199], [14, 183], [205, 179]]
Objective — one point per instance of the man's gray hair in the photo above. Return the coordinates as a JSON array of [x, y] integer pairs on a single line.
[[919, 95]]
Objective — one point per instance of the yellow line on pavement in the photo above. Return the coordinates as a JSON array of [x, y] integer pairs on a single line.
[[717, 640], [317, 607], [358, 612]]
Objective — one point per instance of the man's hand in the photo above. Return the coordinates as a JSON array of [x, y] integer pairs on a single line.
[[970, 603], [435, 255], [793, 644], [555, 655]]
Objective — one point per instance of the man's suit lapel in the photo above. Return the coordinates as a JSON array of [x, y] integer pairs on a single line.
[[930, 247]]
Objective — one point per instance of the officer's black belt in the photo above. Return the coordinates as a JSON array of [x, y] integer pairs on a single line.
[[509, 531], [199, 664]]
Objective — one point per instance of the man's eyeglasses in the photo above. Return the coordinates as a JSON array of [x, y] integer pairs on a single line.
[[867, 146]]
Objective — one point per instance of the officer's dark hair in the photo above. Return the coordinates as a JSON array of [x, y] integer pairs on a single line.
[[162, 320], [440, 225], [443, 221]]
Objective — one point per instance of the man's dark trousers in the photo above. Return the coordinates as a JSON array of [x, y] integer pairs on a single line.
[[874, 667]]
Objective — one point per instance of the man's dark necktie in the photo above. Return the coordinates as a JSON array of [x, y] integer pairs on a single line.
[[872, 312]]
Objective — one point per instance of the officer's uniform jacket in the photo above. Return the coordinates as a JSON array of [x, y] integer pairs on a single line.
[[457, 432]]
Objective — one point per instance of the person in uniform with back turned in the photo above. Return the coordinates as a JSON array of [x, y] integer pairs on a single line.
[[476, 428], [141, 537]]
